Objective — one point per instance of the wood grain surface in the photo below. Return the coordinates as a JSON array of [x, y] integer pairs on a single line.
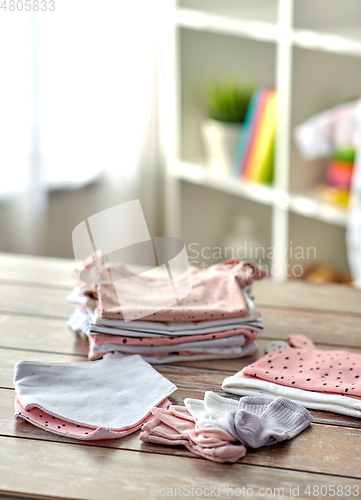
[[38, 464]]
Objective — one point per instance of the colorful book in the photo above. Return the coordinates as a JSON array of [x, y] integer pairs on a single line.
[[266, 174], [263, 141], [254, 114], [246, 132], [256, 122]]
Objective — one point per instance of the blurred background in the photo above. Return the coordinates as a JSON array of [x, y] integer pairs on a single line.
[[202, 109]]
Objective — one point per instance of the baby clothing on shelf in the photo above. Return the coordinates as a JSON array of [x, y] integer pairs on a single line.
[[316, 379], [219, 429], [103, 399], [217, 319]]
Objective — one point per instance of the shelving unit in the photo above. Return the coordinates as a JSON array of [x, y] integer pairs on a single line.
[[302, 203], [309, 50]]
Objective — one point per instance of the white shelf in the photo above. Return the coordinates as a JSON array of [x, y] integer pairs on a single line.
[[249, 10], [336, 41], [305, 203], [196, 174], [308, 205], [339, 40], [215, 23]]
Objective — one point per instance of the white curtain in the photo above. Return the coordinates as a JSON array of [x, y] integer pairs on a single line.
[[77, 101]]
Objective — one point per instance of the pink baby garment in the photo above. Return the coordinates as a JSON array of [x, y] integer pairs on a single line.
[[174, 356], [64, 428], [103, 338], [216, 293], [176, 427], [305, 367]]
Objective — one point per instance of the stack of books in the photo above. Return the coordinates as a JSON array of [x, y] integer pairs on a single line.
[[255, 155]]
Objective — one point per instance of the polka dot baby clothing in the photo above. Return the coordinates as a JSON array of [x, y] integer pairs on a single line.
[[310, 369], [218, 319], [318, 379], [216, 293], [62, 427], [115, 394], [193, 354]]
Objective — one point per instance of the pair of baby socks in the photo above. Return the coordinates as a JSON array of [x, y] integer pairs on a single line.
[[176, 426]]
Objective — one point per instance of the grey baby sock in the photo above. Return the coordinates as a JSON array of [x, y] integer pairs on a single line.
[[265, 421]]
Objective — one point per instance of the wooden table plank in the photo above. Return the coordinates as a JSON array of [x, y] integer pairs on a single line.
[[81, 471], [35, 301], [87, 472], [322, 328], [305, 296], [31, 269], [40, 334]]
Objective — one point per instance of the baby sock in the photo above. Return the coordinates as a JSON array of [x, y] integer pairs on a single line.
[[263, 421], [211, 412], [157, 432]]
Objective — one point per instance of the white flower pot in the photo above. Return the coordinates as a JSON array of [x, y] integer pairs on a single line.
[[220, 143]]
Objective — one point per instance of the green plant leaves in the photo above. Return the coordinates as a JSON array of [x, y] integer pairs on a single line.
[[228, 101]]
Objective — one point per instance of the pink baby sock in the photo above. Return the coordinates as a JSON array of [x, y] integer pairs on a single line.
[[176, 426]]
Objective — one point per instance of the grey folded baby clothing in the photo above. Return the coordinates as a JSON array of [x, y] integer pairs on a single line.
[[263, 421]]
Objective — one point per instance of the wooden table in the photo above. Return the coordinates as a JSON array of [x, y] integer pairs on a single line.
[[34, 463]]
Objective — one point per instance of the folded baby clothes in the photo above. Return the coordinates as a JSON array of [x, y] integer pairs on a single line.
[[163, 343], [114, 394], [176, 426], [317, 379], [174, 355], [216, 292], [263, 421], [175, 337]]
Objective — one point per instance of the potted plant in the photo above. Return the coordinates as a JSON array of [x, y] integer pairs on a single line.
[[227, 104]]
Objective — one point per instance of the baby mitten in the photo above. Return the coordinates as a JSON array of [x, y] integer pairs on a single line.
[[264, 421]]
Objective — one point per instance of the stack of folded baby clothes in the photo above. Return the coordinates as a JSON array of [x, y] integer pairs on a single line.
[[221, 429], [216, 319], [106, 399], [314, 378]]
